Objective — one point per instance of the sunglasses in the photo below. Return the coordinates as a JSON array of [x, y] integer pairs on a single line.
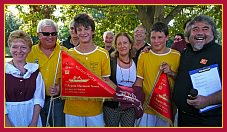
[[48, 34]]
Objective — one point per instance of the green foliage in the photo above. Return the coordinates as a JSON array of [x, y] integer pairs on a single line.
[[31, 14], [213, 11], [63, 33], [11, 23], [118, 18]]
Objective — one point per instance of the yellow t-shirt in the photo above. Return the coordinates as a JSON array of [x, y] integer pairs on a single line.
[[148, 66], [98, 62], [47, 65]]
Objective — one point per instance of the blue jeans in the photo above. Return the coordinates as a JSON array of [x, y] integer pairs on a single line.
[[59, 116]]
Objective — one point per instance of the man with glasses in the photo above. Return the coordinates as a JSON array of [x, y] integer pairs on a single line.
[[47, 54], [73, 39]]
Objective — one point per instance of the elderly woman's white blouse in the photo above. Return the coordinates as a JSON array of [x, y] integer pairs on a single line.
[[20, 113]]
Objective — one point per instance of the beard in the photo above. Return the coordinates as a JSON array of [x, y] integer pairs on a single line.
[[197, 46], [198, 42]]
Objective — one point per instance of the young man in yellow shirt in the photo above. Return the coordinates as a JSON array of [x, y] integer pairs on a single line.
[[158, 58], [87, 113]]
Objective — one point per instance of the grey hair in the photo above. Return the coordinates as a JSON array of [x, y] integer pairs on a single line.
[[200, 18], [140, 26], [71, 23], [107, 32], [46, 22]]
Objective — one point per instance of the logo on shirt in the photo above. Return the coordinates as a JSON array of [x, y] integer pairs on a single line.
[[203, 61]]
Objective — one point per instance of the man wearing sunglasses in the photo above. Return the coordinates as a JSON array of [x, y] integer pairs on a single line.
[[47, 54]]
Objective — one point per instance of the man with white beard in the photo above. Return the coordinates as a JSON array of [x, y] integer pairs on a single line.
[[201, 52]]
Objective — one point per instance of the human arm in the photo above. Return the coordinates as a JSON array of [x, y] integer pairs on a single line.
[[138, 82], [35, 116], [202, 101], [38, 98], [107, 79], [140, 71]]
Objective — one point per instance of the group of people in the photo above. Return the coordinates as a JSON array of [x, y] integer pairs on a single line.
[[36, 72]]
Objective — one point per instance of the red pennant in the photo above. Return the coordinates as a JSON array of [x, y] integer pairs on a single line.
[[77, 81], [160, 99]]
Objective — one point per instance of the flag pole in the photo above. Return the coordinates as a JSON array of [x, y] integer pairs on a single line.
[[155, 82], [52, 99], [147, 101], [167, 114]]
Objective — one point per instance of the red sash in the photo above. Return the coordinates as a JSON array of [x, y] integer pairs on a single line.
[[78, 81], [160, 99]]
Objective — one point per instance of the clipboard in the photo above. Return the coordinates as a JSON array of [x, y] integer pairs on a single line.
[[207, 81]]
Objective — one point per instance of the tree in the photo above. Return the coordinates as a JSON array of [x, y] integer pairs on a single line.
[[11, 23], [118, 18], [127, 17], [31, 14]]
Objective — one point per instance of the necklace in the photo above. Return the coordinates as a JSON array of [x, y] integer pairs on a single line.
[[22, 72], [122, 76], [124, 61]]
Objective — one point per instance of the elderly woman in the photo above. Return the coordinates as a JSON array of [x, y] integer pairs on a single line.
[[24, 86], [123, 73]]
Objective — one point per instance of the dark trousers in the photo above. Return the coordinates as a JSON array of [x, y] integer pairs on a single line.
[[115, 117], [59, 116], [212, 118]]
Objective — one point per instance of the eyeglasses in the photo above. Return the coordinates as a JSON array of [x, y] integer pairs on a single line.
[[48, 34]]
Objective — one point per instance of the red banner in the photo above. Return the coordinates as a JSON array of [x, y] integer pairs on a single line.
[[160, 100], [78, 81]]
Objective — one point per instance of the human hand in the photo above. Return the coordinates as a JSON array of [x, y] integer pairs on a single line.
[[32, 125], [146, 49], [165, 67], [54, 90], [199, 102]]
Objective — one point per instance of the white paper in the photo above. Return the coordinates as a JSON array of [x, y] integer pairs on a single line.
[[206, 81]]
